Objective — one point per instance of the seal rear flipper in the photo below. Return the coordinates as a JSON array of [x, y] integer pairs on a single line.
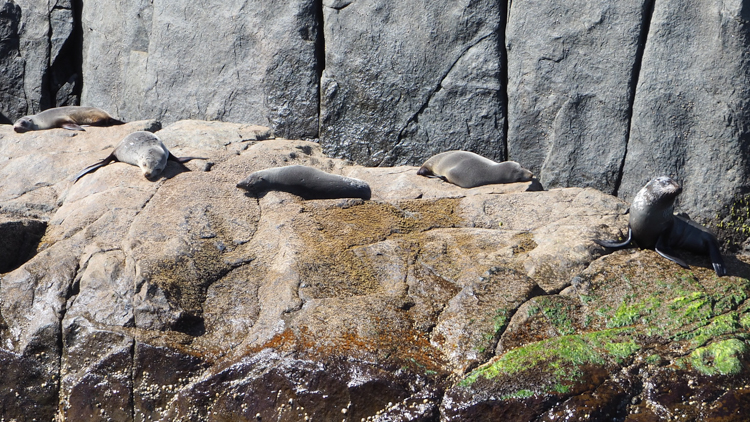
[[93, 167], [662, 249], [72, 126], [614, 244], [716, 260]]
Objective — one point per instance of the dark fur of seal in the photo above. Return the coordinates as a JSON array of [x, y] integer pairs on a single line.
[[653, 225], [307, 182], [131, 150], [68, 117], [468, 170]]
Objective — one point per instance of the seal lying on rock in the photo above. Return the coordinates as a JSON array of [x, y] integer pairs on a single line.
[[142, 149], [653, 225], [469, 170], [307, 182], [70, 117]]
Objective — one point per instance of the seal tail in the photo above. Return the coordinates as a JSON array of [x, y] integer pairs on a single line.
[[92, 168], [424, 171], [115, 122]]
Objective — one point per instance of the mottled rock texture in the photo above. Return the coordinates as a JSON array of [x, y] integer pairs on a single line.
[[583, 93], [185, 299]]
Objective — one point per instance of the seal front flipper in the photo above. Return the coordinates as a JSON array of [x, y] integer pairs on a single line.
[[184, 159], [664, 250], [614, 244], [72, 126]]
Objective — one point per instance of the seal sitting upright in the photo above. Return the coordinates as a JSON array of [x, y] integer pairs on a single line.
[[142, 149], [653, 225], [469, 170], [307, 182], [69, 117]]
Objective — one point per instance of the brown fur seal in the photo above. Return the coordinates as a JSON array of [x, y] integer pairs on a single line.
[[142, 149], [469, 170], [70, 117], [307, 182], [653, 225]]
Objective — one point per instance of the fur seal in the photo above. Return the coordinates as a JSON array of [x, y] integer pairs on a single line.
[[653, 225], [307, 182], [69, 117], [142, 149], [469, 170]]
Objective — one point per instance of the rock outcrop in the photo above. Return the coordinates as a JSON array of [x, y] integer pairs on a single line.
[[186, 299], [584, 94]]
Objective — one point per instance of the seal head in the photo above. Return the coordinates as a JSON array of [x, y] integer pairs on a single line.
[[24, 124]]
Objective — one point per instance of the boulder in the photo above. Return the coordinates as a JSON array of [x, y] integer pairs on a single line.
[[174, 298]]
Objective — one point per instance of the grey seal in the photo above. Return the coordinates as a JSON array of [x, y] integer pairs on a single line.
[[142, 149], [307, 182], [69, 117], [468, 170], [653, 225]]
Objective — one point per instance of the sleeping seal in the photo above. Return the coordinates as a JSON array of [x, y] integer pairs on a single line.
[[142, 149], [70, 117], [653, 225], [469, 170], [307, 182]]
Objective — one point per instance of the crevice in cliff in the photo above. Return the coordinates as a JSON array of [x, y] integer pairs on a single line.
[[320, 55], [62, 83], [504, 74], [648, 11]]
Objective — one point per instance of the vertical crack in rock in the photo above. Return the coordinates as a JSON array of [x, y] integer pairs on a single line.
[[643, 38], [504, 74], [71, 291], [438, 86], [320, 54], [133, 370]]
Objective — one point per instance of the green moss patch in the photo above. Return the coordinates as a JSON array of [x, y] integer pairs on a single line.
[[561, 358], [721, 358]]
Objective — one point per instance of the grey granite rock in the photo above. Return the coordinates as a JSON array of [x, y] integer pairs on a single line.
[[571, 70], [236, 61], [690, 115], [12, 98], [403, 81]]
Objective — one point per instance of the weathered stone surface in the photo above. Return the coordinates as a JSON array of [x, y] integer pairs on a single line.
[[231, 61], [182, 297], [570, 86], [12, 98], [690, 114], [404, 81]]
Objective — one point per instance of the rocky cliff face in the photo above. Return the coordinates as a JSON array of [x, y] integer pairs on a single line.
[[185, 299], [585, 94]]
